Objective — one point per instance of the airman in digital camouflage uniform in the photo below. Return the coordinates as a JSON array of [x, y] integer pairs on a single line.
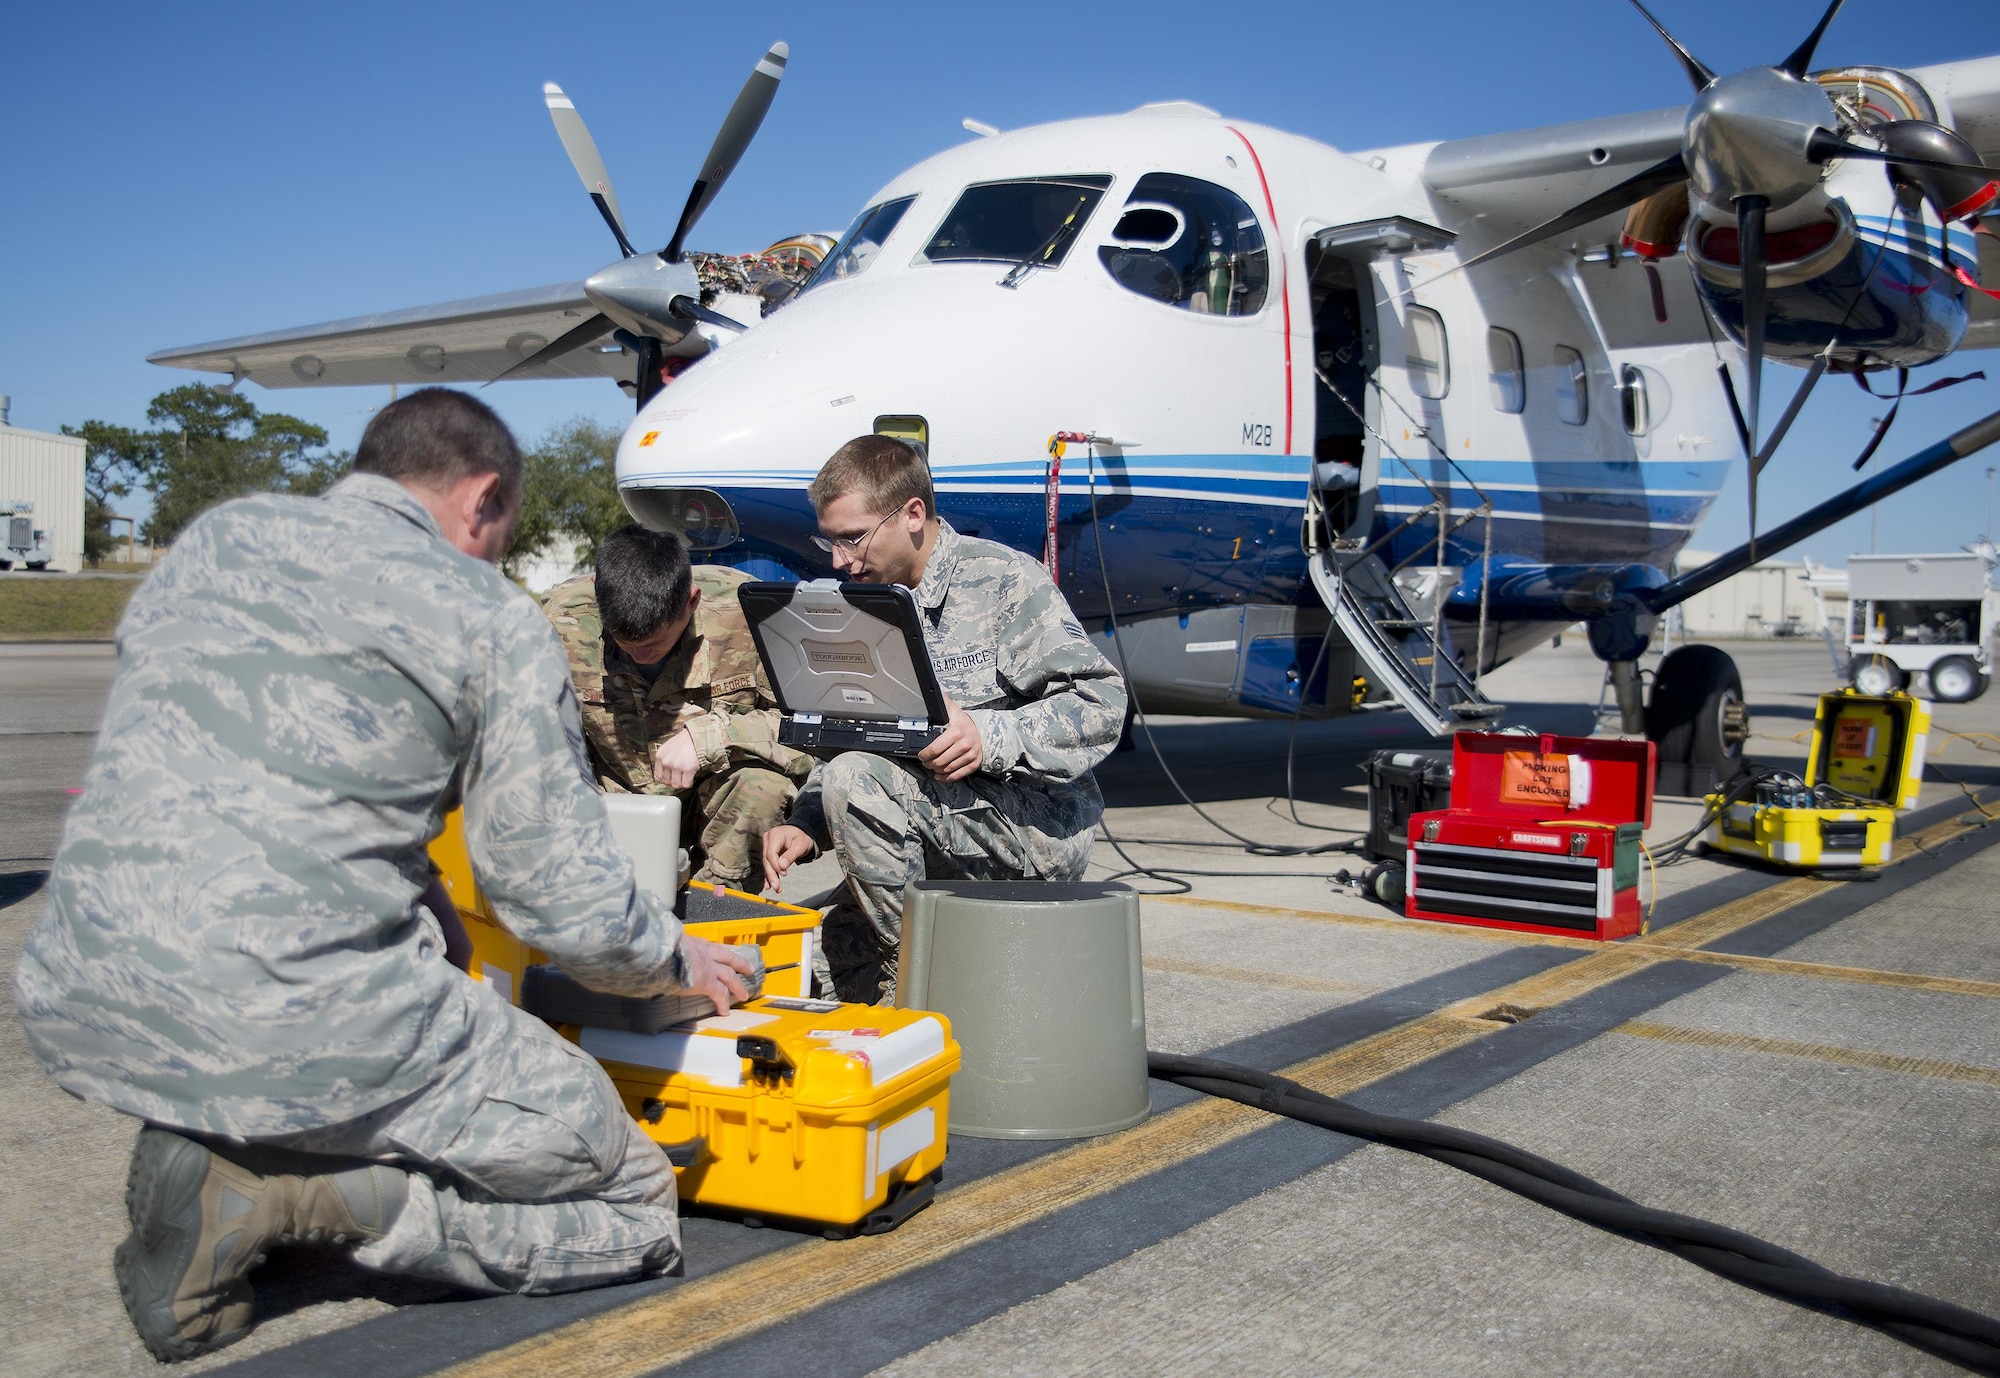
[[1005, 793], [674, 698], [245, 946]]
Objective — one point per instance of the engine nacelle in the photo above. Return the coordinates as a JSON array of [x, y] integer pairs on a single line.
[[1852, 265]]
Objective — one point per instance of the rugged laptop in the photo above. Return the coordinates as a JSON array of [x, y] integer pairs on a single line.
[[848, 665]]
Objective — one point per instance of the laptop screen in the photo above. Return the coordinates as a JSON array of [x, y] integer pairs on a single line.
[[844, 650]]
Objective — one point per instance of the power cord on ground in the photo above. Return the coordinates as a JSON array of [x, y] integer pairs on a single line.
[[1937, 1327]]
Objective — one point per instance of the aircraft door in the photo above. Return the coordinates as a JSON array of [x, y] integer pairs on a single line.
[[1346, 353]]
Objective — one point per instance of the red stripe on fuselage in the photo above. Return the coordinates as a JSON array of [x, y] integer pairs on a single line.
[[1285, 281]]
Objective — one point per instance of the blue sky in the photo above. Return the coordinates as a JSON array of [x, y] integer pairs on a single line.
[[177, 174]]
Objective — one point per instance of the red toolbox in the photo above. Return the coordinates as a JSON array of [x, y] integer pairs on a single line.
[[1542, 835]]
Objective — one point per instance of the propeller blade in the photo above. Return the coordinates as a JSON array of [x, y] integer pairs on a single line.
[[688, 309], [575, 338], [1802, 56], [739, 127], [583, 156], [1824, 148], [1750, 238], [1628, 192], [1813, 375], [1697, 73]]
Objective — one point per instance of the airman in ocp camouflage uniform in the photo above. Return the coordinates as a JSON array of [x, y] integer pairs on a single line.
[[1006, 793], [245, 946], [709, 684]]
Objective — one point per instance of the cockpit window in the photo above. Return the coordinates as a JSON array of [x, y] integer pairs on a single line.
[[856, 249], [1032, 221], [1191, 244]]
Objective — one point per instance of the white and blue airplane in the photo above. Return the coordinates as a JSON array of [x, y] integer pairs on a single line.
[[1299, 429]]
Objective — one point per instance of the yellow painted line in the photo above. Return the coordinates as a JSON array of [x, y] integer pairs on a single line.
[[1380, 922], [1867, 976], [1819, 1052], [683, 1321], [1276, 980]]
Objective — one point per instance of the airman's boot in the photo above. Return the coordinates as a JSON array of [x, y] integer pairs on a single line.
[[203, 1215]]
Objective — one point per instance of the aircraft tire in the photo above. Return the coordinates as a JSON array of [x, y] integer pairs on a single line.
[[1697, 715], [1956, 679], [1876, 675]]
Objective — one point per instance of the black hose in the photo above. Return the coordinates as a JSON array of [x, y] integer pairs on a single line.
[[1949, 1331]]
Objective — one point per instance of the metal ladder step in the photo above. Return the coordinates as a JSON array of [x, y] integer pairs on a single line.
[[1371, 613]]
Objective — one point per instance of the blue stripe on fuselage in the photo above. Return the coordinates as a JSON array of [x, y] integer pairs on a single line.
[[1190, 531]]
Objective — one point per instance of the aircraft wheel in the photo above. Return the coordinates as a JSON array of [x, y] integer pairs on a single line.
[[1956, 679], [1697, 715], [1876, 675]]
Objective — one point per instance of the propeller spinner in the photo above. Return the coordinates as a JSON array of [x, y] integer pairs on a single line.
[[653, 299]]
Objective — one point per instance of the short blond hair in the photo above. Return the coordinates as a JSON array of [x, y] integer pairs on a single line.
[[884, 472]]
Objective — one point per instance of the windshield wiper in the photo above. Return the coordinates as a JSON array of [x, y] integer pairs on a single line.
[[1039, 257]]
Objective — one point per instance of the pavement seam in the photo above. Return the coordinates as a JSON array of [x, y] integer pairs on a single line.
[[1818, 1052], [676, 1325]]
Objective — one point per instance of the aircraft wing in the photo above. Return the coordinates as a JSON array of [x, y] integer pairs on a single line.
[[465, 341], [1503, 183]]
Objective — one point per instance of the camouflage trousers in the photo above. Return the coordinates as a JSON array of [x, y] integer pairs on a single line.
[[893, 823], [735, 808], [525, 1173]]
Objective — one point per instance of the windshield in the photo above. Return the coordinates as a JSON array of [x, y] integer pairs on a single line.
[[1012, 222], [856, 249]]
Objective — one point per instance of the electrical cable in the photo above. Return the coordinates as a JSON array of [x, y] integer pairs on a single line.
[[1949, 1331], [1170, 875]]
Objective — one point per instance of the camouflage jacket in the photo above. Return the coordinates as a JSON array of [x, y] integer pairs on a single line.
[[712, 684], [305, 687], [1009, 651]]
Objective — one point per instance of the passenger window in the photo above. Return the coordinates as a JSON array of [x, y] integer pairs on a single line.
[[1033, 221], [855, 250], [1426, 354], [1572, 387], [1190, 244], [1508, 375]]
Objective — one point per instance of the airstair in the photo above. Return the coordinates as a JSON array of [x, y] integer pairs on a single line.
[[1408, 654]]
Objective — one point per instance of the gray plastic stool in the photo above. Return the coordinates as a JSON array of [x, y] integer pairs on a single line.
[[1042, 983]]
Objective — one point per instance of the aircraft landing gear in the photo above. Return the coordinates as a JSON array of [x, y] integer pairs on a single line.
[[1698, 719]]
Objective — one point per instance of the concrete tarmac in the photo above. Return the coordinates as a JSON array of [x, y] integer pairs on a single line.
[[1816, 1063]]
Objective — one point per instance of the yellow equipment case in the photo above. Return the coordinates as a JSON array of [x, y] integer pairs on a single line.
[[785, 1110], [1866, 762]]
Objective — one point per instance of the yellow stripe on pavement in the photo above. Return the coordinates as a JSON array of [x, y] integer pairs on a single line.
[[1819, 1052]]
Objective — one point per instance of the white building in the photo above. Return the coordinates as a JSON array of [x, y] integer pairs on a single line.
[[1771, 598], [41, 476]]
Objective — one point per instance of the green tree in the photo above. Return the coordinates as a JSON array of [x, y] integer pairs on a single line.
[[569, 492], [209, 446], [206, 446], [113, 457]]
